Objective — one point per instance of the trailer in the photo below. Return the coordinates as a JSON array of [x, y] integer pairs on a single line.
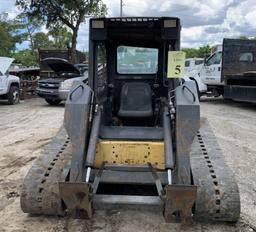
[[28, 81]]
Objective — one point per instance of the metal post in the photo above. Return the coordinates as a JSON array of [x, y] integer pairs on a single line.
[[169, 173], [168, 147], [88, 173], [93, 138], [121, 8]]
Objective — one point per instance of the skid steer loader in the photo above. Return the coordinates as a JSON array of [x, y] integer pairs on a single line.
[[132, 137]]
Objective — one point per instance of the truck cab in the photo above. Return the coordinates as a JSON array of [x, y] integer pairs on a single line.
[[193, 64], [208, 77], [211, 70], [9, 84]]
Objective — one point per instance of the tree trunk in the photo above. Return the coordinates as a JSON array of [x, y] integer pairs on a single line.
[[73, 45], [31, 40], [32, 44]]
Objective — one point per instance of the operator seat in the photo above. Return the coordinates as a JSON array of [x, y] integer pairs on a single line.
[[135, 100]]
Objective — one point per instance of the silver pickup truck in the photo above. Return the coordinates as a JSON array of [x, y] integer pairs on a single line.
[[56, 89], [9, 84]]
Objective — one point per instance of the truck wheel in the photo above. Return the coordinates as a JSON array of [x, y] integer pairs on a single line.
[[53, 102], [13, 95]]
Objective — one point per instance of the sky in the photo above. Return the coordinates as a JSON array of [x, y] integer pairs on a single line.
[[203, 21]]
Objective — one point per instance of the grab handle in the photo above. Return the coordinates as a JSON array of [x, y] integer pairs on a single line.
[[74, 90], [189, 90]]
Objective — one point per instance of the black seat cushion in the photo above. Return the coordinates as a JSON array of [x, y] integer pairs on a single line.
[[136, 101], [131, 133]]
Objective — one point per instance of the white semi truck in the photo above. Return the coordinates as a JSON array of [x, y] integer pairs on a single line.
[[230, 71]]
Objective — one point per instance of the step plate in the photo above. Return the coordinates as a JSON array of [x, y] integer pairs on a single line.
[[152, 203]]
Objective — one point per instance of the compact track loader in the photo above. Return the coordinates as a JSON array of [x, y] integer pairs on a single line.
[[132, 137]]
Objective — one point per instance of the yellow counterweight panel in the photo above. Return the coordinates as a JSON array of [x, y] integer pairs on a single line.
[[130, 153]]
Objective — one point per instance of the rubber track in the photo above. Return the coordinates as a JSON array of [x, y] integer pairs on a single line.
[[217, 200], [40, 191], [218, 196]]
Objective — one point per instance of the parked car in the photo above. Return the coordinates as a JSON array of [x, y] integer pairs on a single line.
[[9, 84], [56, 89]]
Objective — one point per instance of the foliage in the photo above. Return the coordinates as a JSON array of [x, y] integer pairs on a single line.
[[57, 13], [41, 40], [243, 37], [247, 38], [61, 37], [26, 29], [9, 36], [7, 45], [86, 53], [25, 57], [204, 51], [28, 26]]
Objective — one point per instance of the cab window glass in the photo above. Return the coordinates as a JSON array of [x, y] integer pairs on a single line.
[[101, 71], [246, 57], [187, 63], [136, 60], [214, 59], [197, 62]]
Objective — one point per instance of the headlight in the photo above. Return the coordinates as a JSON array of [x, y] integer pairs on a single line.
[[66, 85]]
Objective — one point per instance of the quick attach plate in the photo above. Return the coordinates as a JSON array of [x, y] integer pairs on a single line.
[[179, 202], [77, 199]]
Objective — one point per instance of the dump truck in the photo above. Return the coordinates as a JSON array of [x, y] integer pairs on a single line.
[[133, 137], [239, 70]]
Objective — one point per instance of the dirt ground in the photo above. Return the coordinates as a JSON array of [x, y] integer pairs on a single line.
[[27, 127]]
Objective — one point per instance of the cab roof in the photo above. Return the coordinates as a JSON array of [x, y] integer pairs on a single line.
[[135, 29]]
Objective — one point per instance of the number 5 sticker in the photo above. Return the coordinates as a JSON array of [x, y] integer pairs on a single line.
[[176, 63]]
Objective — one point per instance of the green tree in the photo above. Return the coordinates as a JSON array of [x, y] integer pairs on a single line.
[[86, 53], [25, 57], [7, 45], [9, 35], [28, 26], [57, 13], [247, 38], [204, 51], [41, 40], [61, 37], [243, 37]]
